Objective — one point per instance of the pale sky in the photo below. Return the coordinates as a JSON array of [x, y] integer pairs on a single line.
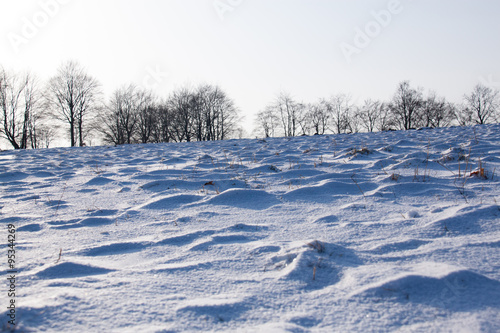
[[254, 49]]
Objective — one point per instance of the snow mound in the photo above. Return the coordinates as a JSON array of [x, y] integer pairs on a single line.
[[249, 199], [70, 270], [461, 290], [174, 201]]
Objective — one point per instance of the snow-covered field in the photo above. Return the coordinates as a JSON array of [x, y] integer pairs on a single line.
[[394, 231]]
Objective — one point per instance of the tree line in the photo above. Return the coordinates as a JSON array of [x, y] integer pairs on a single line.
[[408, 109], [33, 114]]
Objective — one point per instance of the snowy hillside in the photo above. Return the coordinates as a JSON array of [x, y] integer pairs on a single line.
[[393, 231]]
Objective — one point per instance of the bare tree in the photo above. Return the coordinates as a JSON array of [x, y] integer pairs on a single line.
[[481, 105], [303, 119], [202, 114], [42, 129], [44, 137], [354, 122], [146, 115], [163, 131], [88, 104], [289, 113], [74, 94], [215, 115], [318, 117], [370, 114], [267, 122], [180, 103], [18, 101], [436, 112], [464, 115], [339, 108], [386, 120], [120, 117], [406, 106], [228, 116]]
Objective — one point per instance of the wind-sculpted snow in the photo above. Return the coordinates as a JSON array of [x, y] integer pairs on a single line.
[[70, 270], [250, 199], [394, 231]]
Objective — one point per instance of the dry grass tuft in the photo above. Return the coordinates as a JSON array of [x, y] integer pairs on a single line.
[[356, 151], [317, 245], [395, 177], [274, 168], [479, 173], [60, 255]]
